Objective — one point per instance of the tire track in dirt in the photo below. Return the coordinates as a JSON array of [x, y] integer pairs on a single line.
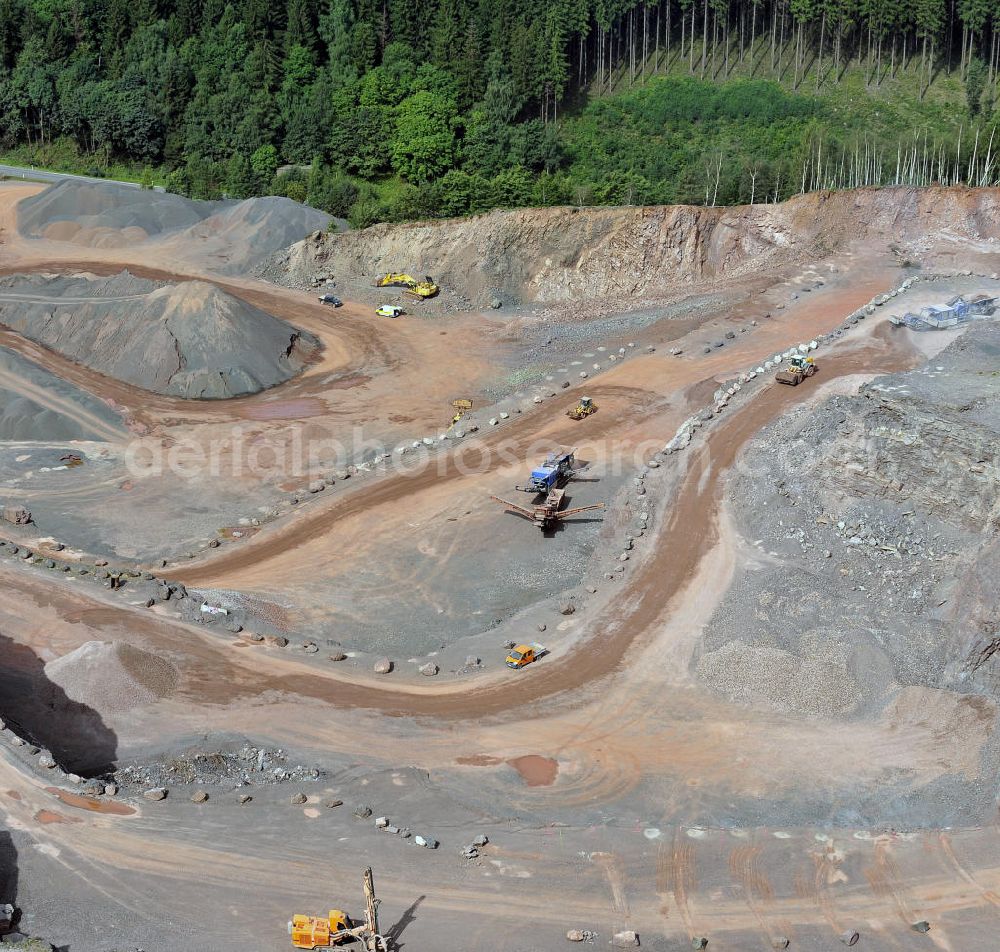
[[746, 868], [949, 852], [614, 873], [882, 873], [675, 876]]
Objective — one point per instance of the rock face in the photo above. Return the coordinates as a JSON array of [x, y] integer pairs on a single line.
[[188, 340], [554, 255]]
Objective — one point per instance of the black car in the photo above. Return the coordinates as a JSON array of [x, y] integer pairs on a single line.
[[330, 299]]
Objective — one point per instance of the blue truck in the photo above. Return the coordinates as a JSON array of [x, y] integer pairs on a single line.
[[553, 473]]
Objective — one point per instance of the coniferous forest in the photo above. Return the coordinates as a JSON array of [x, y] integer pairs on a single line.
[[384, 110]]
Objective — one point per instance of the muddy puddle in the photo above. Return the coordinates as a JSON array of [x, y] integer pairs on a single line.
[[535, 770]]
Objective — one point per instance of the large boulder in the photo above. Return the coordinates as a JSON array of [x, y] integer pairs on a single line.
[[16, 515]]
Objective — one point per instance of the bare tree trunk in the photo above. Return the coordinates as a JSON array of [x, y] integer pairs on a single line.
[[691, 41], [704, 38], [656, 52], [774, 31], [822, 40], [645, 38], [683, 30]]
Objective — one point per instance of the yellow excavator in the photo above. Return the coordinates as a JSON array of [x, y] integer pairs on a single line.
[[323, 932], [421, 289]]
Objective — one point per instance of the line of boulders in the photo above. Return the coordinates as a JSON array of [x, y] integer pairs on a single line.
[[386, 825], [722, 397]]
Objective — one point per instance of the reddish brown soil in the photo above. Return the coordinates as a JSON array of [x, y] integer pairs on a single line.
[[536, 771]]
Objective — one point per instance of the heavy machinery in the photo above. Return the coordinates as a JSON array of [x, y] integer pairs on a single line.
[[556, 471], [389, 310], [584, 408], [316, 932], [548, 513], [421, 289], [521, 655], [796, 370], [461, 407], [549, 478]]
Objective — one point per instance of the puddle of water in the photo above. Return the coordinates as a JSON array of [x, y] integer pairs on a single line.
[[91, 804], [535, 770]]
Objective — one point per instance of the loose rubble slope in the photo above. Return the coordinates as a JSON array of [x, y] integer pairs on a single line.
[[873, 596]]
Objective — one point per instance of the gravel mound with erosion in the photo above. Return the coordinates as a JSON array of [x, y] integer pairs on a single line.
[[876, 519], [36, 405], [112, 676], [188, 340], [562, 255], [231, 236]]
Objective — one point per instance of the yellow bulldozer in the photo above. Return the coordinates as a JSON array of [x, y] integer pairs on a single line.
[[584, 408], [421, 289]]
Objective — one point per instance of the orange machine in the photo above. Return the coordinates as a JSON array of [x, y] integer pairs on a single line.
[[315, 932], [312, 932]]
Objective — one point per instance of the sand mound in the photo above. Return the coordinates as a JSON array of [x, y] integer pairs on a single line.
[[112, 676], [187, 340], [228, 236]]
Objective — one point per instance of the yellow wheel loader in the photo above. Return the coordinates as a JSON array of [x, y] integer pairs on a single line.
[[796, 370], [584, 408]]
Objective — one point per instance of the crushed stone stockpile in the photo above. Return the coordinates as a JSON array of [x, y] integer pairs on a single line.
[[187, 340], [555, 255], [36, 405], [112, 676], [228, 236], [880, 514]]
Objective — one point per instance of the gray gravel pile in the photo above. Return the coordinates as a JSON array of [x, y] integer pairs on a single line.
[[112, 206], [232, 764], [226, 236], [112, 676], [188, 340]]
